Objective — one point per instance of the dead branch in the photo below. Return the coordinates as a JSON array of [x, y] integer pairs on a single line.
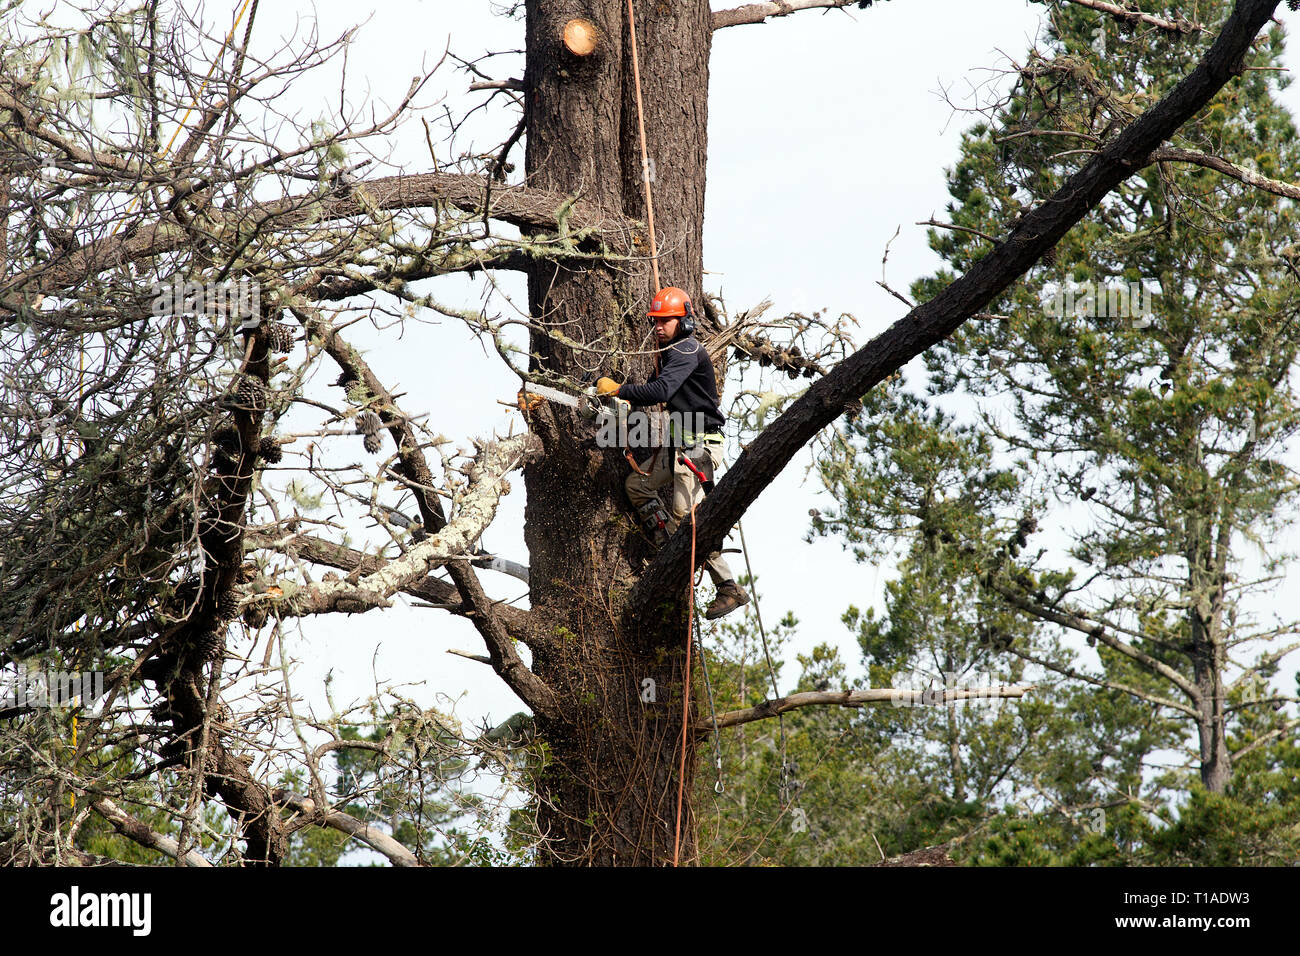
[[140, 833], [1266, 738], [1179, 26], [759, 12], [899, 697], [1078, 675], [521, 206], [1248, 176], [371, 836], [1097, 631], [432, 589], [455, 540]]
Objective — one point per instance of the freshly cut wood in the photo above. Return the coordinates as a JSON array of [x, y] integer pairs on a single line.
[[580, 37]]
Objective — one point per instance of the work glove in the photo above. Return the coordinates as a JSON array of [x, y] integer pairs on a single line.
[[606, 386]]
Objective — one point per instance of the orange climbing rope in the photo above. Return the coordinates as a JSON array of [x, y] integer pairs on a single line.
[[645, 161], [690, 579]]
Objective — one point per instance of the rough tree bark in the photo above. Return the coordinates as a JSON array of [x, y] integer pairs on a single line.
[[609, 793]]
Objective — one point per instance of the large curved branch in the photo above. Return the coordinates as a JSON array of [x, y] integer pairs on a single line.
[[935, 320], [371, 836], [1135, 17], [146, 836], [1101, 632], [1266, 738], [434, 590], [1248, 176], [760, 12], [1078, 675], [899, 697], [446, 542], [521, 206]]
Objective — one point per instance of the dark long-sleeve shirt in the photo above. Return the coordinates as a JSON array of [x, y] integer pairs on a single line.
[[685, 381]]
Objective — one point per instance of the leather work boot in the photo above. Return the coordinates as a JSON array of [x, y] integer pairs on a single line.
[[730, 596]]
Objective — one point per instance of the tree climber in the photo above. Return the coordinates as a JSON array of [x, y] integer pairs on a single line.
[[686, 382]]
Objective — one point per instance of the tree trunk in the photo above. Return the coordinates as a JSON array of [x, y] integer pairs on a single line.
[[608, 795], [1206, 584]]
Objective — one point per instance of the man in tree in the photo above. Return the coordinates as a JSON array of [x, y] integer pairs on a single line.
[[161, 549], [685, 381]]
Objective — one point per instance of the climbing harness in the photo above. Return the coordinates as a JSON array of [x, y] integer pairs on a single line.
[[692, 625]]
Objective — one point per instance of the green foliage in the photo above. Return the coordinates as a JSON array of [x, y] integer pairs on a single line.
[[1150, 442]]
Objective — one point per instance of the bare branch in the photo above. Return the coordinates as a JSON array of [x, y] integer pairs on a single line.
[[759, 12], [856, 698], [1137, 692], [1266, 738], [1101, 632], [431, 589], [371, 836], [1248, 176], [521, 206], [1133, 16], [456, 539], [146, 836]]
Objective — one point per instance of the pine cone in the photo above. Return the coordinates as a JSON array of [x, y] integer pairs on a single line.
[[172, 750], [269, 449], [1049, 257], [228, 605], [280, 336], [356, 392], [368, 424], [211, 646], [373, 442], [251, 394], [162, 711]]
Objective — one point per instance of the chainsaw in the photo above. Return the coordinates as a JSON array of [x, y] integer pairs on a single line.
[[610, 411], [588, 404]]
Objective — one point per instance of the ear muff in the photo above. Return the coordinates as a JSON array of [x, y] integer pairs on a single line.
[[688, 320]]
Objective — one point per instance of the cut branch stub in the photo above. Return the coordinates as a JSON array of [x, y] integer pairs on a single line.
[[580, 37]]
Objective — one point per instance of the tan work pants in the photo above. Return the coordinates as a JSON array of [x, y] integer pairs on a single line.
[[642, 489]]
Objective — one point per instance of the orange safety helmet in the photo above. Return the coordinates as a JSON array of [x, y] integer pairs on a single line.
[[670, 301]]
